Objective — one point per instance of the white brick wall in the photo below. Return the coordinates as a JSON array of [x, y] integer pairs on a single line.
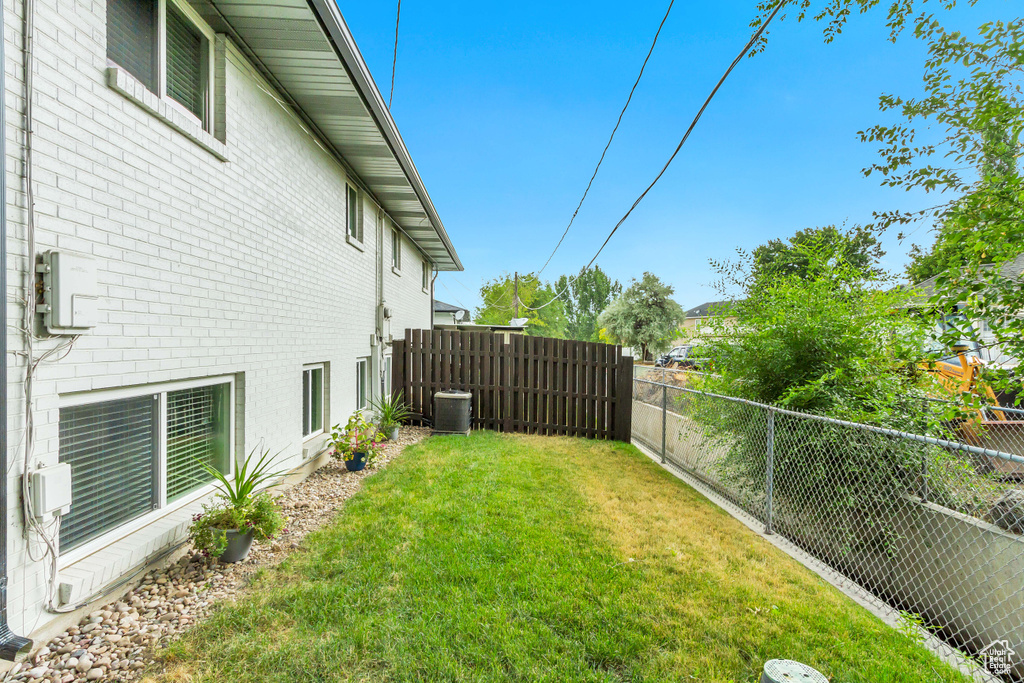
[[206, 267]]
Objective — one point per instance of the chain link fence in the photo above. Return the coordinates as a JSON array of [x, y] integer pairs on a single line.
[[934, 528]]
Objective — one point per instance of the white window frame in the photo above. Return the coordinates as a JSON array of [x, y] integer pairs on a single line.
[[353, 233], [426, 275], [210, 37], [396, 249], [322, 367], [362, 383], [161, 58], [162, 509]]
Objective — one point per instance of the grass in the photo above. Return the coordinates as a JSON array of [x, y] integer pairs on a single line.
[[512, 558]]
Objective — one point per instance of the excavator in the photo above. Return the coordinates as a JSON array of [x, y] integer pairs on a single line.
[[995, 428]]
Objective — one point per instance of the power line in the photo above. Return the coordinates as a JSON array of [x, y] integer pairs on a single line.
[[611, 137], [743, 52], [394, 60], [746, 48]]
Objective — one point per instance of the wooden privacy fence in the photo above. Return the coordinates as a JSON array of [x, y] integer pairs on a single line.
[[533, 385]]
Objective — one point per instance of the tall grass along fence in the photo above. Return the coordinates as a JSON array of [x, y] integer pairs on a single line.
[[934, 528], [533, 385]]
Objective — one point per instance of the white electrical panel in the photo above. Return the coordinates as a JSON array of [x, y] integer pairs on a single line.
[[71, 295], [50, 488]]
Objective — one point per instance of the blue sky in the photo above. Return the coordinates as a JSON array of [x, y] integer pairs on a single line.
[[505, 108]]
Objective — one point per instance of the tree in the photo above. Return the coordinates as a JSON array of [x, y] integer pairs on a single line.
[[829, 338], [998, 164], [589, 293], [973, 94], [645, 316], [857, 247], [545, 316]]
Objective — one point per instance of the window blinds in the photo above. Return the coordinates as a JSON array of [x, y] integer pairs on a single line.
[[131, 38], [185, 73], [197, 432], [112, 448]]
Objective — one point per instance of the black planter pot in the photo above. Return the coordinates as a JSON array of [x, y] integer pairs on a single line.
[[239, 544], [356, 463]]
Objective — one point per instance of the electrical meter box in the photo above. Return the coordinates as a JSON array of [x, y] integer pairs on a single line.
[[50, 488], [70, 293]]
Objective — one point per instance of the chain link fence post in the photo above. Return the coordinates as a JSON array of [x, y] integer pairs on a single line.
[[770, 473], [664, 420]]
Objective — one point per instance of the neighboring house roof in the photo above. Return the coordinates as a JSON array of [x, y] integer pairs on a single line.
[[442, 307], [305, 49], [923, 291], [704, 309]]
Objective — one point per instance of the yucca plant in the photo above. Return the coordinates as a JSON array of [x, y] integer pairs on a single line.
[[238, 492], [391, 411], [244, 512]]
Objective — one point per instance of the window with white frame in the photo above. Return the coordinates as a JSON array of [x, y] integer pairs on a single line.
[[396, 249], [362, 383], [132, 451], [312, 400], [354, 214], [426, 275], [167, 47]]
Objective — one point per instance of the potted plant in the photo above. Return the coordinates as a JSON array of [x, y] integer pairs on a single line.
[[356, 443], [242, 513], [391, 412]]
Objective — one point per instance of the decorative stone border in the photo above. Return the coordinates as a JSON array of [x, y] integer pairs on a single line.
[[118, 641]]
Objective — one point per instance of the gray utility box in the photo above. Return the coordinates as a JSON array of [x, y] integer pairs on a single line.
[[452, 412]]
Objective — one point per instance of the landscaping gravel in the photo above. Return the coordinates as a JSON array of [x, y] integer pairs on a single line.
[[117, 641]]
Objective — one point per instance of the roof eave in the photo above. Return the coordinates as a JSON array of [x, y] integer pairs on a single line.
[[345, 46]]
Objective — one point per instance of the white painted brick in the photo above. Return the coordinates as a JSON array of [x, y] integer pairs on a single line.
[[206, 267]]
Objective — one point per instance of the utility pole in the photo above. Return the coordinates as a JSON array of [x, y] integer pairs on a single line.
[[515, 296]]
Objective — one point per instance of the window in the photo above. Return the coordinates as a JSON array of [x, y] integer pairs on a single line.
[[362, 383], [312, 400], [396, 249], [385, 383], [140, 451], [354, 217], [160, 43], [426, 276]]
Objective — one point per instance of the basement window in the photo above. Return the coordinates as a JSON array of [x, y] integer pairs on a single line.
[[362, 383], [166, 47], [135, 451], [312, 400]]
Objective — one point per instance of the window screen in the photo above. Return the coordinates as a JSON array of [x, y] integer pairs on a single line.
[[112, 448], [185, 72], [312, 401], [132, 38], [197, 432]]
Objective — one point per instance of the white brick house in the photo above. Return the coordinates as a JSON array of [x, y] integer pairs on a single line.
[[232, 171]]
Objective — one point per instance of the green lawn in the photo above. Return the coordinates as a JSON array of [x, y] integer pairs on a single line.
[[511, 558]]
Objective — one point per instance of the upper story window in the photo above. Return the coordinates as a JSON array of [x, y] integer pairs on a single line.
[[396, 249], [354, 216], [426, 275], [167, 47]]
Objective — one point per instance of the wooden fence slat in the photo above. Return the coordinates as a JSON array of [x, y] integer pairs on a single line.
[[533, 385]]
